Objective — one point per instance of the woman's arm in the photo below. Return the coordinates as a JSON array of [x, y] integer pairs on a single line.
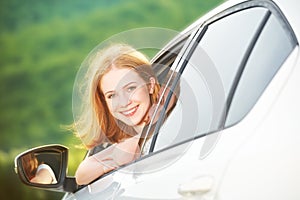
[[108, 159], [92, 168]]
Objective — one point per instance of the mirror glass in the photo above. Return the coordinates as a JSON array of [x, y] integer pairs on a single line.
[[41, 167]]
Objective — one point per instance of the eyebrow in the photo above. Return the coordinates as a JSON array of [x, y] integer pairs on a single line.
[[111, 91]]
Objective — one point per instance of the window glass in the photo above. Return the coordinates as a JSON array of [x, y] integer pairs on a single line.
[[272, 48], [183, 117], [208, 76], [227, 40]]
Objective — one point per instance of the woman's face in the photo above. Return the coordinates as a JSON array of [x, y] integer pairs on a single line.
[[126, 94]]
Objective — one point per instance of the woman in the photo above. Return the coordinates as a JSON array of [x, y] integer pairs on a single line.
[[120, 90], [37, 172]]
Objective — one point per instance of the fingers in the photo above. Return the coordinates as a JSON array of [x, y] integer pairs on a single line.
[[108, 165]]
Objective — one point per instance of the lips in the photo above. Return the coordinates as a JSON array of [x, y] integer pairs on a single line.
[[130, 112]]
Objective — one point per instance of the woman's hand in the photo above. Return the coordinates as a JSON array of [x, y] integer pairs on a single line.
[[126, 151]]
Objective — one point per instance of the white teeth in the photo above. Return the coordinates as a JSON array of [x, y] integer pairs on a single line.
[[129, 112]]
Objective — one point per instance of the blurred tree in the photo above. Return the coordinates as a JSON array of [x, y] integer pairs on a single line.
[[42, 44]]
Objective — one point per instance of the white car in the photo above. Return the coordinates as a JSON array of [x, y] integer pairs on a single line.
[[235, 130]]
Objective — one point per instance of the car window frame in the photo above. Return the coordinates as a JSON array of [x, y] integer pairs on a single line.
[[191, 44]]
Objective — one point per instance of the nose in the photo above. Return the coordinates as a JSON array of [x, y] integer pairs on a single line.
[[124, 100]]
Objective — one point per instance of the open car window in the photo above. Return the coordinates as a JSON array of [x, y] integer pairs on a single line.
[[164, 69]]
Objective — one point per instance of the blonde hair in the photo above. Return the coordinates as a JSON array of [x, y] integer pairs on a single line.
[[95, 124]]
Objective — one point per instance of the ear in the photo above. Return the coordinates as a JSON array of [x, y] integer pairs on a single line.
[[152, 84]]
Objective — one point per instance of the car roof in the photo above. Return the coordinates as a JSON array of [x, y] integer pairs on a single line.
[[290, 8]]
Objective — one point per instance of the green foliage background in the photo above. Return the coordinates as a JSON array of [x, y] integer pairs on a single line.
[[42, 44]]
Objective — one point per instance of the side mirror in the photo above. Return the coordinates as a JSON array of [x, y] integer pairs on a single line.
[[45, 167]]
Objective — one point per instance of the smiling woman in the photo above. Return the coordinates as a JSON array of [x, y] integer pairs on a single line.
[[127, 95], [121, 90]]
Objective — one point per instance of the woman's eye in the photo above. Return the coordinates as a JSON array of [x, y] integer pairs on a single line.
[[131, 88], [110, 96]]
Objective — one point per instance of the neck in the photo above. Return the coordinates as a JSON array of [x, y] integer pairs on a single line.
[[139, 128]]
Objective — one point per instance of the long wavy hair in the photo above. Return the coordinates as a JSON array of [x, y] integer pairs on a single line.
[[95, 124]]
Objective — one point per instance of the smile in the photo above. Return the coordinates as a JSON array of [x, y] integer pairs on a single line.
[[130, 112]]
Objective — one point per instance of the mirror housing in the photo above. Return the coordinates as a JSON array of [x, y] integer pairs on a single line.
[[45, 167]]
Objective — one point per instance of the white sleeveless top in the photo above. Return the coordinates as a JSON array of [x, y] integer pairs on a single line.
[[48, 168]]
